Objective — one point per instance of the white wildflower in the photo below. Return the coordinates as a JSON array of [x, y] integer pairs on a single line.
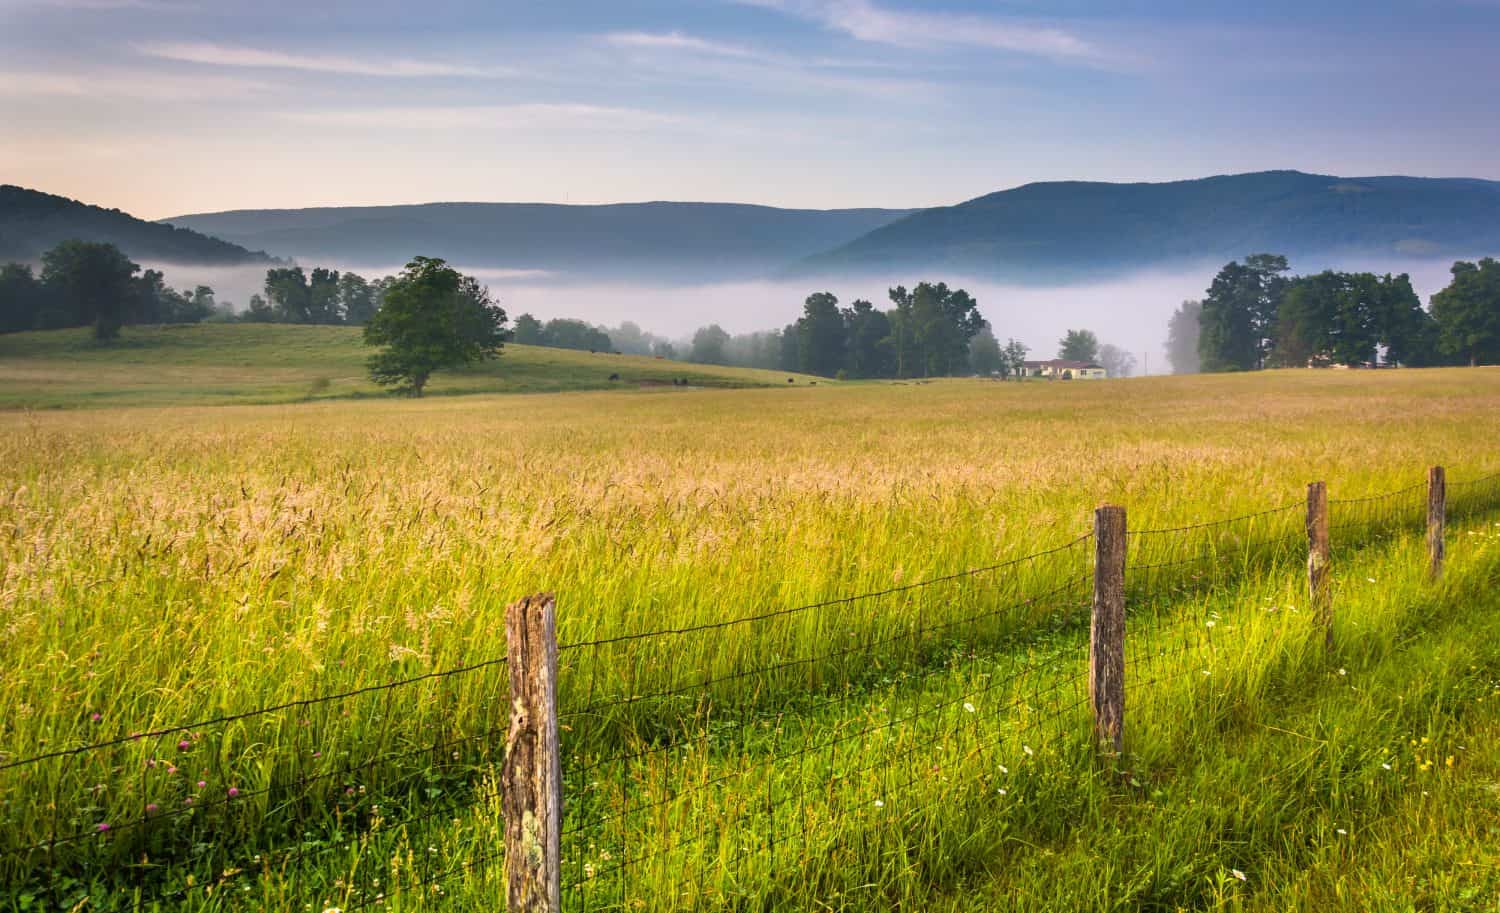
[[1238, 874]]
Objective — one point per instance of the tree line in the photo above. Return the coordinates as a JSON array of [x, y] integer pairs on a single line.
[[930, 330], [91, 283], [86, 283], [1256, 316]]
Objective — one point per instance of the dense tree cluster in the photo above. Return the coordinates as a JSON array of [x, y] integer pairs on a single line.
[[322, 296], [88, 283], [562, 333], [1256, 316], [930, 331]]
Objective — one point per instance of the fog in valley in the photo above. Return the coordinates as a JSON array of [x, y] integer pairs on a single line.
[[1131, 312]]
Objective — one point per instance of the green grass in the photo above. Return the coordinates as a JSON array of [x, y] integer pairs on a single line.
[[159, 565], [269, 363]]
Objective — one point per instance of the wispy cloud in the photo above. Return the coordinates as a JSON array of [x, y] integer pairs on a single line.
[[125, 84], [677, 41], [233, 56], [102, 5], [683, 56], [865, 21], [539, 116]]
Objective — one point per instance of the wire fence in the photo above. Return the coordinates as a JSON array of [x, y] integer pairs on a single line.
[[792, 749]]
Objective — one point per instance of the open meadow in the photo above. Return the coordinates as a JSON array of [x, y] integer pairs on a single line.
[[867, 602]]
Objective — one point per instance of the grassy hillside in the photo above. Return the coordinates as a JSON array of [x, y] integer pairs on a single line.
[[270, 363], [1058, 230], [32, 222]]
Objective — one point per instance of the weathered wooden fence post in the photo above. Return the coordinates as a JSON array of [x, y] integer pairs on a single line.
[[1318, 561], [531, 784], [1107, 633], [1437, 512]]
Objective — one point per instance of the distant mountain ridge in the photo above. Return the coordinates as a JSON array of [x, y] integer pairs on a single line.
[[657, 240], [1070, 229], [32, 222]]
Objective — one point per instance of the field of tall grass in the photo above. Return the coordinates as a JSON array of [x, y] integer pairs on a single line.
[[924, 748]]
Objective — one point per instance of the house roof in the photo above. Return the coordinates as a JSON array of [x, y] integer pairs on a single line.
[[1063, 363]]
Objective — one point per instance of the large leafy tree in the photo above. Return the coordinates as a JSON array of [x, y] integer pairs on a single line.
[[1079, 345], [985, 358], [432, 317], [528, 331], [1182, 337], [931, 326], [710, 345], [1309, 318], [820, 335], [867, 329], [357, 299], [1240, 312], [93, 283], [1117, 361], [323, 300], [1402, 325], [288, 293], [1467, 312]]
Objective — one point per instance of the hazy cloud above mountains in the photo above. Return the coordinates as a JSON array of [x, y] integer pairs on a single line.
[[200, 106]]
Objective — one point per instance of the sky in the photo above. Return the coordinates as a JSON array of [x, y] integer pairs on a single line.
[[166, 107]]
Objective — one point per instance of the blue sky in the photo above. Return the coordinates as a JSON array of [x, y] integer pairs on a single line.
[[163, 107]]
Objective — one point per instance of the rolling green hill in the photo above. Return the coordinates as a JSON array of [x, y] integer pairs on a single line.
[[1068, 229], [270, 363], [31, 222]]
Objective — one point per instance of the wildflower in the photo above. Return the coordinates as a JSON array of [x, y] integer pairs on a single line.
[[1449, 762], [151, 808], [1386, 766], [1238, 874], [1343, 672], [96, 717], [1371, 579], [332, 910], [1027, 749], [202, 784], [879, 804], [234, 792], [1342, 832], [1000, 791], [1004, 769], [184, 745], [968, 707], [1210, 623], [101, 827], [171, 769]]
